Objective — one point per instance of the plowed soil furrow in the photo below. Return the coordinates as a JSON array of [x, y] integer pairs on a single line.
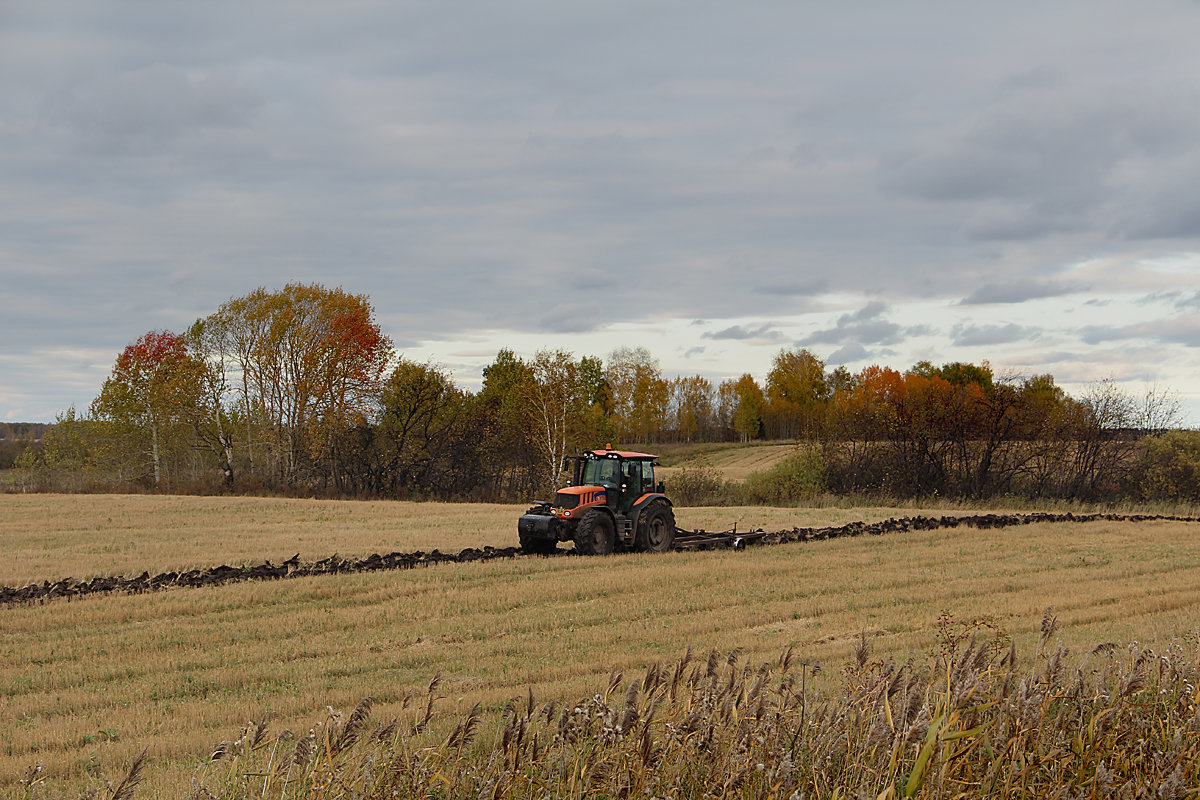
[[69, 588]]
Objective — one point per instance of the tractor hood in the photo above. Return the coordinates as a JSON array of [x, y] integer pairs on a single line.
[[570, 497]]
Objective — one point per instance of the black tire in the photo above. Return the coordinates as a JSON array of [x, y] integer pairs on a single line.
[[656, 530], [536, 545], [595, 534]]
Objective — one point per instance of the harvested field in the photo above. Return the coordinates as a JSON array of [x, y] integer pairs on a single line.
[[87, 684], [294, 567], [733, 462], [49, 537]]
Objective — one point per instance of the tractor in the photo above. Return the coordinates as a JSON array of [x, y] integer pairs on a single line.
[[611, 503]]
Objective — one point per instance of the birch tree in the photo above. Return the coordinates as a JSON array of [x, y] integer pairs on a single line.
[[558, 402]]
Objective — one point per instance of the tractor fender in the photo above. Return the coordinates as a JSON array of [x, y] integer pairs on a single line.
[[643, 502], [648, 496], [607, 511]]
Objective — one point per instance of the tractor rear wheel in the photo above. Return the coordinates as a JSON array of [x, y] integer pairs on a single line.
[[656, 534], [595, 534]]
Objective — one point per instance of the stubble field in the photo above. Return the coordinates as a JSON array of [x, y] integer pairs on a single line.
[[86, 685]]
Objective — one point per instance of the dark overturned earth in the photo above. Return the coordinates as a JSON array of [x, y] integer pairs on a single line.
[[70, 588]]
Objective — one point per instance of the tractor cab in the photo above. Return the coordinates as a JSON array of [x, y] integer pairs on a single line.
[[623, 476]]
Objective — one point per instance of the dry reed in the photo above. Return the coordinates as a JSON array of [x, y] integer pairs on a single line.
[[969, 721]]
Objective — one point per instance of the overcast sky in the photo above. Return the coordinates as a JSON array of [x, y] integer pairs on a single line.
[[877, 182]]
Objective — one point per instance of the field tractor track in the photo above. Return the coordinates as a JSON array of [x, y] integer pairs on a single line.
[[70, 588]]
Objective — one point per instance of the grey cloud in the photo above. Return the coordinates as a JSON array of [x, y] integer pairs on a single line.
[[878, 332], [693, 351], [591, 281], [1097, 334], [872, 310], [1183, 330], [1180, 300], [794, 288], [1040, 360], [1055, 159], [983, 335], [1016, 222], [1017, 292], [865, 326], [1170, 297], [549, 168], [573, 318], [742, 333], [149, 107], [1189, 303], [847, 354]]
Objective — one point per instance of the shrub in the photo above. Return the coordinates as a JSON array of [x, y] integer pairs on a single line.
[[1169, 467], [800, 475], [698, 485]]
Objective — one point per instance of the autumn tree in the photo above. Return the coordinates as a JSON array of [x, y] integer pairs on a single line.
[[726, 405], [959, 373], [598, 420], [558, 402], [75, 454], [506, 436], [213, 428], [748, 407], [864, 417], [1108, 421], [639, 393], [797, 391], [1045, 419], [420, 409], [155, 384], [1168, 467], [310, 362], [692, 407]]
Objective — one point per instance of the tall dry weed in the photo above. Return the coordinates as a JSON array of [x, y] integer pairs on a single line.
[[966, 722]]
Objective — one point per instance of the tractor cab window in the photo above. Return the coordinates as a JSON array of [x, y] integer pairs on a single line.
[[601, 472], [632, 476], [638, 477]]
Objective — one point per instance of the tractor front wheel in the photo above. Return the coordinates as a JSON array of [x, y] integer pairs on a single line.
[[656, 534], [595, 534]]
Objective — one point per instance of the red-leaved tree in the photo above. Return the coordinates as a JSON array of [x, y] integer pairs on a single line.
[[155, 383]]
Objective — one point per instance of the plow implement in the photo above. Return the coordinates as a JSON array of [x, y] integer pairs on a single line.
[[704, 540], [294, 567]]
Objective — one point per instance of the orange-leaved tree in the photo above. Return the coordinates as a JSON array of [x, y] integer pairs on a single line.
[[308, 361]]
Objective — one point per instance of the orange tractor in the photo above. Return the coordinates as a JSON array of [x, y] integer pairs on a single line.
[[611, 503]]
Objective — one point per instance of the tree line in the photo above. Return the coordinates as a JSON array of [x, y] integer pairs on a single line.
[[16, 438], [299, 390]]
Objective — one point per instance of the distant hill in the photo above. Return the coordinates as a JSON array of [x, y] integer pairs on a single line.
[[733, 461]]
